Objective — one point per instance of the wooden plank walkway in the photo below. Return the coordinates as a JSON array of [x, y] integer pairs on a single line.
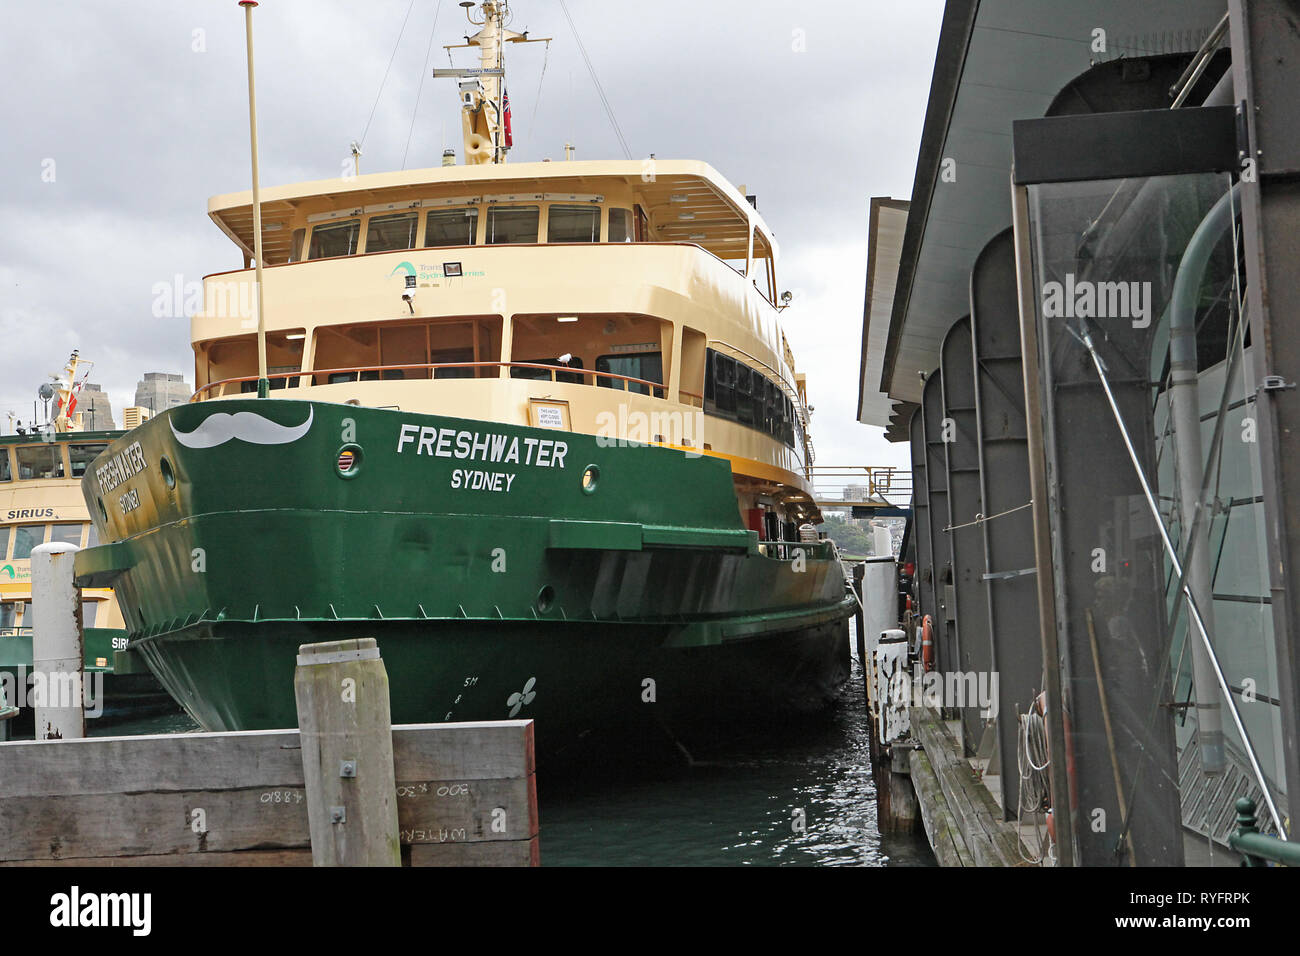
[[962, 820], [466, 795]]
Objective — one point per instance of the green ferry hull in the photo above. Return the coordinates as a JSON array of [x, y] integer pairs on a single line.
[[497, 580]]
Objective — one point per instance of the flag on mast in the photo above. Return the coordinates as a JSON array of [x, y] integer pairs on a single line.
[[505, 109]]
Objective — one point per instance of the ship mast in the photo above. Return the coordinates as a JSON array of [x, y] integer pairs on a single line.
[[65, 390], [485, 118]]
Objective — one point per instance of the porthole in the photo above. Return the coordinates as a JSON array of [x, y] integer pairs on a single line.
[[169, 476], [348, 462], [545, 599], [590, 479]]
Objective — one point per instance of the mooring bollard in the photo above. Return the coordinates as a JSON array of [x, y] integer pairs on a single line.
[[58, 645], [345, 725]]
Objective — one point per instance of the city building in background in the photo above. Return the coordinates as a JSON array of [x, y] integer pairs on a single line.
[[159, 391]]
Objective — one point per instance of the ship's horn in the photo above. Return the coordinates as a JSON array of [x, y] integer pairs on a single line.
[[478, 148]]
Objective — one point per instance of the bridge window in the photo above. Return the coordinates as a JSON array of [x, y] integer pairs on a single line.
[[513, 224], [620, 225], [8, 617], [451, 227], [66, 534], [80, 456], [645, 365], [391, 233], [335, 239], [5, 473], [573, 224], [39, 461], [4, 542], [26, 537]]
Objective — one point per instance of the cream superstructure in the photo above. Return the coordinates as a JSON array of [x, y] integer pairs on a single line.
[[634, 300]]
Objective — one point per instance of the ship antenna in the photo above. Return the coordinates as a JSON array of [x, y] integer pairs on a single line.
[[263, 384], [485, 105]]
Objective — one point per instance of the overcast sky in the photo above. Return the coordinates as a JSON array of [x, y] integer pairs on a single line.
[[120, 119]]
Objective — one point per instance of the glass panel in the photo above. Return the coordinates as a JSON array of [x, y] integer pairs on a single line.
[[8, 616], [744, 394], [450, 356], [93, 538], [724, 373], [5, 473], [620, 225], [26, 537], [335, 239], [299, 237], [573, 224], [4, 543], [66, 534], [538, 374], [29, 614], [389, 233], [82, 455], [1136, 263], [39, 461], [451, 227], [646, 365], [89, 611], [512, 224]]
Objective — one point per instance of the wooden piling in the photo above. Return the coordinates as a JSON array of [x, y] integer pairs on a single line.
[[345, 725]]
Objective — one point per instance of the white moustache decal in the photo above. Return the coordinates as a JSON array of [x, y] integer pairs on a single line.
[[246, 426]]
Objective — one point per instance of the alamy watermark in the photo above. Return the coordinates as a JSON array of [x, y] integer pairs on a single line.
[[1084, 299], [36, 688]]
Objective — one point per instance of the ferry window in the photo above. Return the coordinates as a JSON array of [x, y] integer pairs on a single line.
[[66, 534], [5, 474], [450, 357], [8, 616], [724, 376], [92, 539], [646, 365], [539, 374], [744, 394], [513, 224], [4, 543], [26, 537], [573, 224], [620, 225], [335, 239], [389, 233], [88, 611], [299, 237], [451, 227], [80, 456], [39, 461]]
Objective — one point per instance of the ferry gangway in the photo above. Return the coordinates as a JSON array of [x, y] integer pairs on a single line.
[[868, 491]]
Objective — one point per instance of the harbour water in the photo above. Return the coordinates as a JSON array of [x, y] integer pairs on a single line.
[[794, 794]]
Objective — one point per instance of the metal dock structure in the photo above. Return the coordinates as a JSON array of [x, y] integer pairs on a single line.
[[1082, 324]]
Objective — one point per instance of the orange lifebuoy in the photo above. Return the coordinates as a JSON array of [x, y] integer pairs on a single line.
[[927, 642]]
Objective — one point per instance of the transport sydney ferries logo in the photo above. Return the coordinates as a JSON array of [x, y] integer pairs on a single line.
[[428, 271]]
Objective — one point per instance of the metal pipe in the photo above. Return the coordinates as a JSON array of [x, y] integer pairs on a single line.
[[1185, 412], [1183, 88], [1086, 338], [263, 385]]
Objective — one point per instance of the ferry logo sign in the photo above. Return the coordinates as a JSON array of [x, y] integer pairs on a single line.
[[246, 426]]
